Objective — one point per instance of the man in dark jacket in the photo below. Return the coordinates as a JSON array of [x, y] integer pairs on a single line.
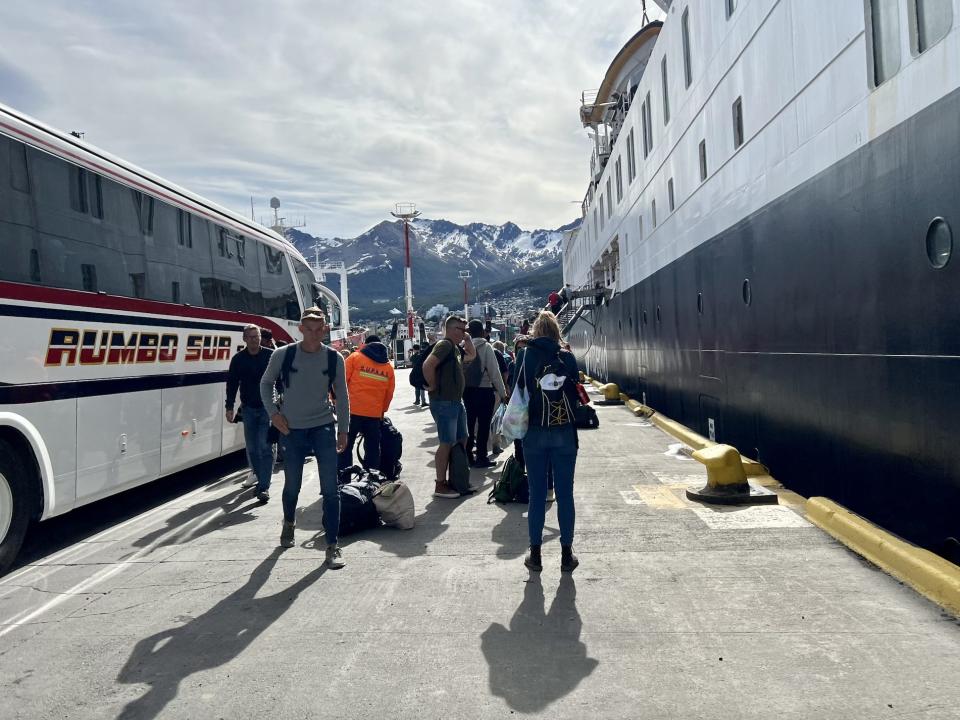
[[246, 369]]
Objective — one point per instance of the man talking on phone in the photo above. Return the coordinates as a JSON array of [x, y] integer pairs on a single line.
[[443, 371]]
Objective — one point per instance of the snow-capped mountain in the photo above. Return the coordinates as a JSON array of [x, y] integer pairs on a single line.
[[439, 250]]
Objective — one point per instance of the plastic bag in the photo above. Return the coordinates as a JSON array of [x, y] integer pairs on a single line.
[[516, 418], [496, 426]]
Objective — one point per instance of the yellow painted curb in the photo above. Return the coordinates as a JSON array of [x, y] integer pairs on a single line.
[[928, 574]]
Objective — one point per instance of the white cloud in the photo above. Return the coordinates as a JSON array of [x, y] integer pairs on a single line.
[[467, 108]]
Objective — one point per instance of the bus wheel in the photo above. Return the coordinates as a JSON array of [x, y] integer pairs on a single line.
[[14, 504]]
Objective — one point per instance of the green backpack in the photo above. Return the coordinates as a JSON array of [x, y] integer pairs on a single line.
[[512, 484]]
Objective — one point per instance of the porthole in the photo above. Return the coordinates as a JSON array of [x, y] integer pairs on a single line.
[[939, 242], [746, 292], [658, 313], [700, 303]]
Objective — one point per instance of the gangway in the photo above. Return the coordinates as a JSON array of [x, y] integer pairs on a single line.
[[583, 310]]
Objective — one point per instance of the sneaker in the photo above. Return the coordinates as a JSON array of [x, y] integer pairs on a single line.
[[335, 559], [250, 481], [445, 491], [286, 534], [484, 463], [568, 561], [551, 495], [263, 496], [497, 450], [533, 560]]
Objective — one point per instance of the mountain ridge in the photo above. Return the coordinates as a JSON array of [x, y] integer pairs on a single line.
[[439, 250]]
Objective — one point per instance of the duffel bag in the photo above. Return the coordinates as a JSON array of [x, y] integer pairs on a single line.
[[586, 417], [357, 511], [394, 502]]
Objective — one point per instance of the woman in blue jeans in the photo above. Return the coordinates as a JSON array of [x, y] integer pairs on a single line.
[[549, 375]]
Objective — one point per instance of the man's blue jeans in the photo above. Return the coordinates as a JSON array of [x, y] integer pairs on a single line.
[[256, 422], [322, 442], [545, 451]]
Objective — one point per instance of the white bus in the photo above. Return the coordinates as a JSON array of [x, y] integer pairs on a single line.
[[122, 299]]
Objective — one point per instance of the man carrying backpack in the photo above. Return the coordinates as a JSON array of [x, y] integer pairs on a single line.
[[370, 382], [483, 386], [417, 356], [443, 372], [310, 372]]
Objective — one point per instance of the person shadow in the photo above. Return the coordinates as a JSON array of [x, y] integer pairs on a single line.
[[511, 534], [167, 658], [236, 509], [540, 658]]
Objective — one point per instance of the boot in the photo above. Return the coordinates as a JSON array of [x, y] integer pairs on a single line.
[[568, 561], [286, 535], [533, 560]]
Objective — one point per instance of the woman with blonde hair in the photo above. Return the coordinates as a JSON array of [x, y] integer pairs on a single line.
[[549, 374]]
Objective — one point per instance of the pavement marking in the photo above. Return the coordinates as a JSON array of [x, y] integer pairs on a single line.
[[683, 480], [630, 497], [88, 546], [657, 496], [106, 573], [751, 517]]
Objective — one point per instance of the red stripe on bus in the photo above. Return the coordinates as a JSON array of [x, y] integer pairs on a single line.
[[84, 299]]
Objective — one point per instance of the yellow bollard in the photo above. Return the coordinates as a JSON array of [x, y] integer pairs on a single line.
[[726, 480], [611, 394]]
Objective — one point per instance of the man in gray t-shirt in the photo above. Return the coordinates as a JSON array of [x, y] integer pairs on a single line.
[[306, 423]]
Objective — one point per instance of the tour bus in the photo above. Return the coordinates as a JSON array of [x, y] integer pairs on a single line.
[[122, 299]]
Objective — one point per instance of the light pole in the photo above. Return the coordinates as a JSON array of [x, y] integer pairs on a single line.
[[406, 212], [465, 276]]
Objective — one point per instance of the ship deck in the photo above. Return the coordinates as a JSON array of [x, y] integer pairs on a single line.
[[678, 610]]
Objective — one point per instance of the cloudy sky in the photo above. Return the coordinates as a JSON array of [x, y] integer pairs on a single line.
[[341, 109]]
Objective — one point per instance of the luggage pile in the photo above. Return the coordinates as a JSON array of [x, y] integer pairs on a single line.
[[368, 500]]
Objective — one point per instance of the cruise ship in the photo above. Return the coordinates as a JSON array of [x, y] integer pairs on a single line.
[[768, 225]]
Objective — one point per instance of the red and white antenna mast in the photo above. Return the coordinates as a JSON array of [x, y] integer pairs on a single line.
[[407, 212]]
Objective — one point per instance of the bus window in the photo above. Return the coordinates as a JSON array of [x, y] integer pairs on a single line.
[[279, 296], [235, 284], [306, 279]]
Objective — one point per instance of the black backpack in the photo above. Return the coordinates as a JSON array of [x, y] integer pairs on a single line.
[[473, 371], [586, 417], [416, 367], [460, 470], [391, 449], [550, 385]]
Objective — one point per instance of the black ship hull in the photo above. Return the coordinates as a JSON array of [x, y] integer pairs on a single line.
[[842, 372]]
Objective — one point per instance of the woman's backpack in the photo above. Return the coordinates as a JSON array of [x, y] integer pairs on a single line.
[[550, 404]]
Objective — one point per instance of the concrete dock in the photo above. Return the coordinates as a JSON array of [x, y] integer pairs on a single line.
[[678, 610]]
